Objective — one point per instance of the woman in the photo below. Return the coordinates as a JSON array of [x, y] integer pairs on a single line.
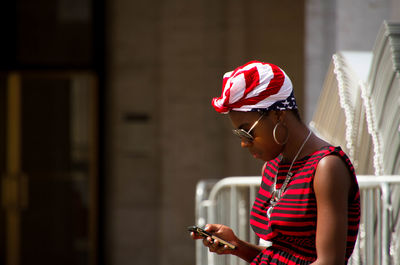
[[308, 203]]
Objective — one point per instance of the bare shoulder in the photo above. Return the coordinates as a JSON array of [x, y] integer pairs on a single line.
[[332, 175], [332, 163]]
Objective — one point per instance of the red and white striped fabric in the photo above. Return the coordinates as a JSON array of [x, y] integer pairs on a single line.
[[254, 86]]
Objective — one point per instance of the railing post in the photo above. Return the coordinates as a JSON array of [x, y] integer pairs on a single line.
[[211, 216], [234, 217], [385, 222], [369, 226]]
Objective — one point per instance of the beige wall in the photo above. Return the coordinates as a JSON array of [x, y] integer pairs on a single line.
[[165, 62], [339, 25]]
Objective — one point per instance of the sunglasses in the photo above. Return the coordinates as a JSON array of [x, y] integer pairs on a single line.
[[245, 135]]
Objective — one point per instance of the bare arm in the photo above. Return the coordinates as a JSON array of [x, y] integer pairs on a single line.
[[244, 250], [247, 251], [332, 185]]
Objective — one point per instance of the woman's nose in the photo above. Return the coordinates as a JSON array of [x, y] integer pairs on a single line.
[[245, 143]]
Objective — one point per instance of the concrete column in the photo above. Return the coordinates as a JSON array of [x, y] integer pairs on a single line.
[[133, 180], [187, 148], [358, 23], [320, 39], [337, 25]]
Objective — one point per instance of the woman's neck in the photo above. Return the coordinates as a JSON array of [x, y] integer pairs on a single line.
[[298, 143]]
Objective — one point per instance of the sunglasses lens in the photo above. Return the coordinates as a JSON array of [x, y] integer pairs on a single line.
[[243, 134]]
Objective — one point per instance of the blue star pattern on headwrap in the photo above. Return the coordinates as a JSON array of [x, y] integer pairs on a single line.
[[288, 104]]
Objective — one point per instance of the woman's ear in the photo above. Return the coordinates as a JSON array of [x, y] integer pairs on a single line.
[[279, 116]]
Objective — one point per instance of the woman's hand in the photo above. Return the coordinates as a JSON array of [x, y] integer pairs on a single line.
[[221, 231], [243, 250]]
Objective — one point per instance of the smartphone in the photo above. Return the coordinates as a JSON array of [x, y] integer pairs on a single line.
[[205, 234]]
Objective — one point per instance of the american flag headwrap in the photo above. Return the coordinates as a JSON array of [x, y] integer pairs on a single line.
[[255, 86]]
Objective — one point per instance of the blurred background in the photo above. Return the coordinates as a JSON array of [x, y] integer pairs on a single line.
[[106, 124]]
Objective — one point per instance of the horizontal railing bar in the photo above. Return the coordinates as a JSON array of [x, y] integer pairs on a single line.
[[364, 181], [233, 181]]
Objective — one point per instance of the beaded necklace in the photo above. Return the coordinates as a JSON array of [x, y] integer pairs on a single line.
[[276, 194]]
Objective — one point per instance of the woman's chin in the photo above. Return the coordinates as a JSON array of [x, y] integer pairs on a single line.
[[261, 157], [265, 157]]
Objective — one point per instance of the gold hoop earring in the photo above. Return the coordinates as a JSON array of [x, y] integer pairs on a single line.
[[274, 134]]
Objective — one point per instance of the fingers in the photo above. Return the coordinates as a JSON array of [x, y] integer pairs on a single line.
[[195, 236], [215, 246], [208, 242], [212, 227], [212, 242]]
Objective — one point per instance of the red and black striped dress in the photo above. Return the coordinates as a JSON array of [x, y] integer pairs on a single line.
[[292, 227]]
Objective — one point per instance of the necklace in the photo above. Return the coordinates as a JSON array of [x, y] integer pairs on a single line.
[[276, 194]]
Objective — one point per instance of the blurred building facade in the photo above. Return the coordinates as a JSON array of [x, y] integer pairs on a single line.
[[166, 62], [154, 66]]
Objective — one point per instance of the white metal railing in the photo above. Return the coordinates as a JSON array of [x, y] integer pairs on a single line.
[[229, 201]]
